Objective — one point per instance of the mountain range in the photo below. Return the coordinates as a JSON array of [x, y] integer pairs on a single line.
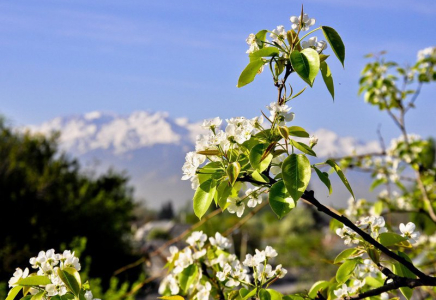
[[150, 147]]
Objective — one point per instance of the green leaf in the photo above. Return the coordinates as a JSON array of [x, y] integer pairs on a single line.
[[298, 131], [341, 175], [38, 296], [71, 278], [222, 193], [14, 292], [296, 174], [261, 36], [328, 79], [299, 93], [203, 197], [270, 294], [400, 270], [264, 52], [324, 177], [250, 72], [187, 277], [28, 297], [305, 64], [316, 287], [247, 295], [176, 297], [344, 255], [259, 177], [303, 148], [256, 154], [279, 199], [233, 170], [374, 282], [34, 280], [346, 269], [335, 41]]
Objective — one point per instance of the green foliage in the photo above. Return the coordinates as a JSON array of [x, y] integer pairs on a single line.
[[51, 202]]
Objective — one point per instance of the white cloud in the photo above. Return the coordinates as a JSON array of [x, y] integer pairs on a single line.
[[332, 145]]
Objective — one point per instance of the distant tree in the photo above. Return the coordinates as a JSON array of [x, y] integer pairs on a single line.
[[166, 212], [47, 201]]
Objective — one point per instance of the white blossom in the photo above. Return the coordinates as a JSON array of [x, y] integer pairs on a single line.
[[314, 44], [280, 272], [212, 123], [18, 274], [219, 241], [197, 238], [270, 252], [408, 231], [305, 24], [253, 43], [278, 35], [203, 291], [342, 292], [235, 206], [254, 197], [281, 112]]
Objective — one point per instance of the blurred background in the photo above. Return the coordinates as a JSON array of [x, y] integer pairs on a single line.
[[101, 100]]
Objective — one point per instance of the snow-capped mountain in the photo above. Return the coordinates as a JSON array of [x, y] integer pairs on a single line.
[[151, 148]]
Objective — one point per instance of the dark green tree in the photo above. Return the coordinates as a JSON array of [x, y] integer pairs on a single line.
[[46, 201]]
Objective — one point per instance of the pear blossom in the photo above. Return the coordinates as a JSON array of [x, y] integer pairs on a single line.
[[212, 123], [367, 269], [184, 260], [276, 163], [235, 206], [199, 254], [281, 112], [219, 241], [18, 274], [342, 292], [408, 231], [314, 44], [251, 260], [254, 197], [348, 235], [173, 251], [280, 272], [197, 238], [278, 35], [260, 256], [203, 291], [305, 24], [169, 282], [384, 296], [270, 252], [253, 43], [264, 272], [426, 53]]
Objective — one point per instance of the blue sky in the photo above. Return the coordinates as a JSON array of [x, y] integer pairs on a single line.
[[70, 57]]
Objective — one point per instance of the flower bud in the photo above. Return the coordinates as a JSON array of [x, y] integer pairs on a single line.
[[313, 141]]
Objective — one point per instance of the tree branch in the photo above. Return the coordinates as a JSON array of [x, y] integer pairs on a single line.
[[426, 280]]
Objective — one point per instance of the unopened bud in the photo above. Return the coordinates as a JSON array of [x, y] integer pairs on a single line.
[[313, 140]]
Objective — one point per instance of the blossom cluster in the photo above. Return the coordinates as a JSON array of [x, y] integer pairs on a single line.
[[374, 226], [237, 131], [216, 144], [263, 272], [427, 53], [218, 263], [279, 36], [47, 264]]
